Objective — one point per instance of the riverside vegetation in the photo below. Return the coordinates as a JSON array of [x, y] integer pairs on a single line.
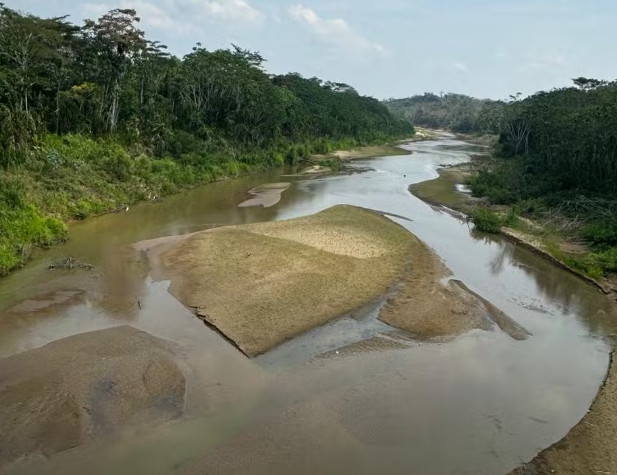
[[551, 174], [97, 116], [555, 165]]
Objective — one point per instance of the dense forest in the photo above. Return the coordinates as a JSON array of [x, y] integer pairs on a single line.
[[97, 115], [456, 112], [557, 158]]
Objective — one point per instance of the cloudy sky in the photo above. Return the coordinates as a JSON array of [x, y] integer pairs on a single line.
[[390, 48]]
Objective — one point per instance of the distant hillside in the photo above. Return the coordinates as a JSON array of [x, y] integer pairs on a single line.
[[456, 112]]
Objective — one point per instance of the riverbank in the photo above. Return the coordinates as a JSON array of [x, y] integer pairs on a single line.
[[74, 177], [550, 244], [590, 447]]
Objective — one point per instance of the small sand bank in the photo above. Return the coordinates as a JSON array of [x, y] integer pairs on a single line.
[[266, 195], [591, 446], [442, 191], [425, 134], [426, 308], [75, 389], [370, 152], [262, 284], [320, 163]]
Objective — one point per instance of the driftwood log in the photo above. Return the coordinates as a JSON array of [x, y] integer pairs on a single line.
[[70, 263]]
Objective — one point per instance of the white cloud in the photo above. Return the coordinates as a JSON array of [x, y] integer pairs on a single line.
[[181, 15], [336, 33], [461, 67], [94, 10], [233, 10], [544, 63], [152, 16]]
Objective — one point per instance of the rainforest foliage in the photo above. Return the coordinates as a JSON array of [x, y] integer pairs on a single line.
[[557, 160], [96, 115]]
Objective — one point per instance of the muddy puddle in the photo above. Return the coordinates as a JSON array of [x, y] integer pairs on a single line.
[[354, 396]]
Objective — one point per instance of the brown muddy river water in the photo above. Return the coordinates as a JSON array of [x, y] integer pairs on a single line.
[[326, 402]]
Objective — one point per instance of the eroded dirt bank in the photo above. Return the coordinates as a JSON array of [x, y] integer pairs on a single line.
[[263, 284], [75, 389]]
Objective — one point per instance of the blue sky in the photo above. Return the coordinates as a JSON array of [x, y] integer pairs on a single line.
[[390, 48]]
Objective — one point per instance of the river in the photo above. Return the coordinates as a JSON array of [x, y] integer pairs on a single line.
[[478, 404]]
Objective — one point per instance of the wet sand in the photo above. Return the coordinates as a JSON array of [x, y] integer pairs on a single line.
[[442, 191], [84, 387], [427, 308], [266, 195]]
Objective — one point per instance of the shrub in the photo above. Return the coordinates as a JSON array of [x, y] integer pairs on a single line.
[[334, 164], [601, 235], [486, 221]]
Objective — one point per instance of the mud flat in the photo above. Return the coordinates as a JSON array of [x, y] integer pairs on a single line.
[[591, 446], [262, 284], [265, 195], [73, 390]]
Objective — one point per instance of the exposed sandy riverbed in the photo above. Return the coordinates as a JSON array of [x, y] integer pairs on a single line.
[[263, 284], [84, 387]]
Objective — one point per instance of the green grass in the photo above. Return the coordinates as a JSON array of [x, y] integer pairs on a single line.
[[73, 177]]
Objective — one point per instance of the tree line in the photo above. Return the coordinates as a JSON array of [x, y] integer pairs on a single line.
[[96, 116], [106, 78], [561, 143], [556, 160]]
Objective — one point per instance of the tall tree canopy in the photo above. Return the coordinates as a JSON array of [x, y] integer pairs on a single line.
[[106, 78]]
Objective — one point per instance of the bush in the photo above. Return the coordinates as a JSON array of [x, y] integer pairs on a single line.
[[601, 235], [334, 164], [595, 264], [486, 221]]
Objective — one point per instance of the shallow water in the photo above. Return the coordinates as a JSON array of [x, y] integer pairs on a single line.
[[481, 403]]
